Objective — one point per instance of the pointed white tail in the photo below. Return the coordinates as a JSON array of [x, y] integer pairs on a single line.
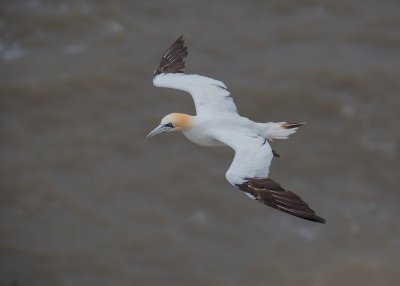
[[279, 130]]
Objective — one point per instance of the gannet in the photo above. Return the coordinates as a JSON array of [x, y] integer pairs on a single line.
[[218, 123]]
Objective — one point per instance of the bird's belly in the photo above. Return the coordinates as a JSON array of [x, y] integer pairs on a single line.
[[202, 139]]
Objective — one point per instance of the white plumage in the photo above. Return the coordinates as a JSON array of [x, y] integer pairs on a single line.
[[217, 123], [209, 95]]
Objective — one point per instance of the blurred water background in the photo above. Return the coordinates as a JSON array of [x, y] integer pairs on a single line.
[[86, 199]]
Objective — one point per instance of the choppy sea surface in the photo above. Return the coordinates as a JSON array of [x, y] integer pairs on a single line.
[[86, 199]]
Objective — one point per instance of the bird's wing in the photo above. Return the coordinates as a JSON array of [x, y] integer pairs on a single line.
[[253, 155], [209, 95], [249, 173]]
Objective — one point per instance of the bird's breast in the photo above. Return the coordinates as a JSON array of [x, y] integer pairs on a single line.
[[202, 137]]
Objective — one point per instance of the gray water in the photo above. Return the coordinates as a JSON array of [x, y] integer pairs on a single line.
[[86, 199]]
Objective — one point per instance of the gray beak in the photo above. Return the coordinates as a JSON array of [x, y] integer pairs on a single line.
[[159, 129]]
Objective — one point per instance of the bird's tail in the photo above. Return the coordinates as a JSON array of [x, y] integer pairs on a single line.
[[279, 130]]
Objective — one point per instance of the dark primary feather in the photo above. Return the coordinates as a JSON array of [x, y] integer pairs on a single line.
[[293, 125], [173, 60], [269, 192]]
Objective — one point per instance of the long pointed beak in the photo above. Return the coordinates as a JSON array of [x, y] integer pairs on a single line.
[[159, 129]]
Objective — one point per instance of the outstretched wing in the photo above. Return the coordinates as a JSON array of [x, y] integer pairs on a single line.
[[249, 173], [209, 95]]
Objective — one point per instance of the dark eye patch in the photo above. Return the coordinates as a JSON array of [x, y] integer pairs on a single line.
[[169, 125]]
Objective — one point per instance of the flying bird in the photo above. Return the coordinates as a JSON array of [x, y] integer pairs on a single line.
[[218, 123]]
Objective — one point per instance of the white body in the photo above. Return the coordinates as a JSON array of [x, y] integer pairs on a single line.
[[218, 123], [201, 133]]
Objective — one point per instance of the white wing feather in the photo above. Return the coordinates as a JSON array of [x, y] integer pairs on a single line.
[[253, 156], [209, 95]]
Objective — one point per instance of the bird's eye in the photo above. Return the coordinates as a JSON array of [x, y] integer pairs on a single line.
[[169, 125]]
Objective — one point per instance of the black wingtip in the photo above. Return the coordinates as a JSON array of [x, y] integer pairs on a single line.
[[173, 60], [316, 219], [293, 125], [269, 192]]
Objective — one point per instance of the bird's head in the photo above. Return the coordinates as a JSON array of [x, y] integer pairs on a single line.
[[173, 122]]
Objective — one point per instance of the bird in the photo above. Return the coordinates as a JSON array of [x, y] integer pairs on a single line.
[[218, 123]]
